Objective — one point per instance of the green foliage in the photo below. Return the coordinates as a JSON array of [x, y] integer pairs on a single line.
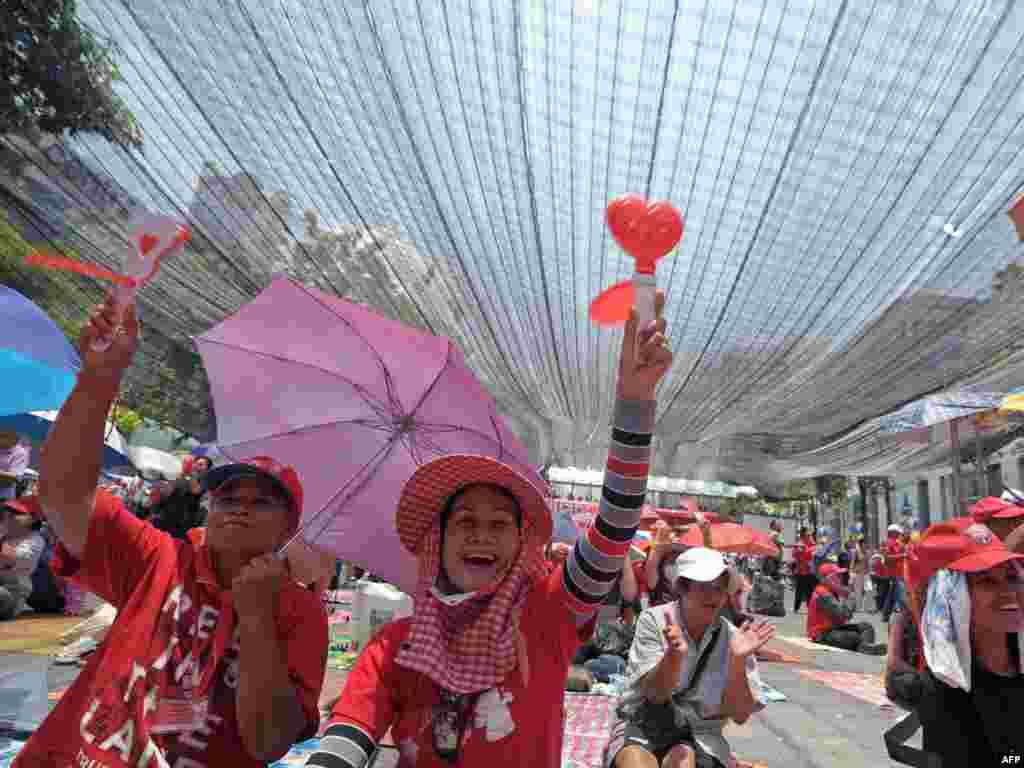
[[126, 420], [735, 509], [799, 489], [57, 75], [64, 296]]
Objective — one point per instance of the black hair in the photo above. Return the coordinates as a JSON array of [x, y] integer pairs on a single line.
[[450, 505]]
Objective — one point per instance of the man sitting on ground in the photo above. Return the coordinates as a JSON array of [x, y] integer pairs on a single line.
[[216, 656], [829, 615]]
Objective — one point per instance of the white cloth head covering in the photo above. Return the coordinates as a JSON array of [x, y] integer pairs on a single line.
[[946, 629]]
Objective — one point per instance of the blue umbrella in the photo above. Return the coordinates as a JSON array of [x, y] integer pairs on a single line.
[[37, 426], [37, 364]]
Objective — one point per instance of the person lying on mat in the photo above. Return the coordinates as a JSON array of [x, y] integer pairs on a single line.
[[690, 671], [476, 676], [216, 656]]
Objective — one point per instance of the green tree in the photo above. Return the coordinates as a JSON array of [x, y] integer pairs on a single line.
[[57, 75]]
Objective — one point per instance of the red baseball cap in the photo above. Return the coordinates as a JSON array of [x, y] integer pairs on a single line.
[[26, 505], [993, 506], [956, 545], [285, 478], [829, 569]]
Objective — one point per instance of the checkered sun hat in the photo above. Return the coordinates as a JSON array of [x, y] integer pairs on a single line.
[[429, 489]]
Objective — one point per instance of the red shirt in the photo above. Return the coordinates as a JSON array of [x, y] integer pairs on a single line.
[[803, 553], [818, 621], [512, 725], [893, 568], [169, 606]]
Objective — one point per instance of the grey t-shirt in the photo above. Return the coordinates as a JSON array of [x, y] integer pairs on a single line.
[[704, 704]]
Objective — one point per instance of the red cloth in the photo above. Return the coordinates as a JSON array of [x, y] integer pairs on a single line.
[[803, 553], [513, 725], [818, 620], [893, 568], [165, 590]]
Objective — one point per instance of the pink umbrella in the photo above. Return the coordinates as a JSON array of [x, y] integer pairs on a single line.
[[355, 402]]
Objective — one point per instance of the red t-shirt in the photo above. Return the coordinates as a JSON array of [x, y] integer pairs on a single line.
[[893, 568], [803, 553], [511, 725], [818, 621], [169, 605]]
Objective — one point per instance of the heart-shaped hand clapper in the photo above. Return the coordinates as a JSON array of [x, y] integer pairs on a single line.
[[153, 236], [645, 230]]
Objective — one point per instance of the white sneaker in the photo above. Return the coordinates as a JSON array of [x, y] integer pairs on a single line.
[[76, 650]]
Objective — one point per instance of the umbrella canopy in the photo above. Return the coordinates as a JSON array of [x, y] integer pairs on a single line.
[[36, 426], [927, 412], [725, 537], [37, 364], [355, 402]]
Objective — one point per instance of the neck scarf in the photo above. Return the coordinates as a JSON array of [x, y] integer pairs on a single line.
[[471, 643]]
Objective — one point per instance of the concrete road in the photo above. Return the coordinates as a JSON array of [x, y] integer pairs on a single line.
[[821, 725]]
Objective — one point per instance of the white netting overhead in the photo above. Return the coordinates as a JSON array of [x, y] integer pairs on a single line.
[[844, 169]]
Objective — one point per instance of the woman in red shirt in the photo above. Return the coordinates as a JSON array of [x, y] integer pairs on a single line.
[[803, 554], [477, 675]]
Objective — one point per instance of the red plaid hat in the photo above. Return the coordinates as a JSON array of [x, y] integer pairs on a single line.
[[26, 505], [429, 489], [285, 478], [956, 545], [993, 506]]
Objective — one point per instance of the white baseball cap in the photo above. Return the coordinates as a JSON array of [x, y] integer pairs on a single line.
[[699, 564], [895, 529]]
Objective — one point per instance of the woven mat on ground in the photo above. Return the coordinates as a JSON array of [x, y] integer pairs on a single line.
[[35, 634], [588, 723], [869, 688]]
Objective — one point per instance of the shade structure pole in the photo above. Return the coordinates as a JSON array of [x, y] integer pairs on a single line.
[[979, 447], [954, 438]]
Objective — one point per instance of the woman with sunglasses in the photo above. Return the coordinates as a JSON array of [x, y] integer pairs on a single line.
[[476, 676]]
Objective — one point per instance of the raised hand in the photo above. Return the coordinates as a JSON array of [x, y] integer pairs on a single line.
[[121, 326], [646, 355], [750, 638], [677, 646]]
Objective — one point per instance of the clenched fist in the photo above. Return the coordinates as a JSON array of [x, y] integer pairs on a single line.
[[674, 638], [257, 585]]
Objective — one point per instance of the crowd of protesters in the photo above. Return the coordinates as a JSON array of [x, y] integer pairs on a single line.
[[216, 649]]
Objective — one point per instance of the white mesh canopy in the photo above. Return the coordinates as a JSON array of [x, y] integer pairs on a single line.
[[844, 169]]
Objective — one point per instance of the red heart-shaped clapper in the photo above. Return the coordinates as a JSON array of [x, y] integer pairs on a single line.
[[148, 242], [646, 231], [612, 307]]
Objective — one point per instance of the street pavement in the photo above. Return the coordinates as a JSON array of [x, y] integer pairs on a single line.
[[832, 717]]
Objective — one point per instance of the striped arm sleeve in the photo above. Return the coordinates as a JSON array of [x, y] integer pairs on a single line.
[[344, 746], [596, 560]]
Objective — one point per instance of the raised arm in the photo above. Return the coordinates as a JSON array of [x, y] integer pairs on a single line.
[[596, 560], [73, 452]]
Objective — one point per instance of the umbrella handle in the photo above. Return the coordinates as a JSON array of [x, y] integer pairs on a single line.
[[645, 287]]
